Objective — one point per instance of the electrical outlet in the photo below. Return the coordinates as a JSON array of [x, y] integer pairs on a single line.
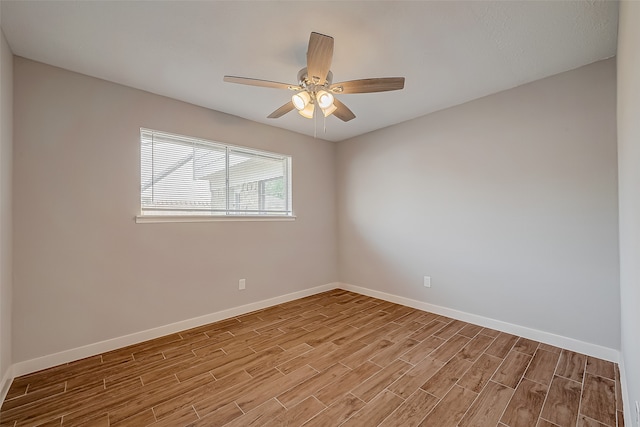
[[427, 281], [242, 284]]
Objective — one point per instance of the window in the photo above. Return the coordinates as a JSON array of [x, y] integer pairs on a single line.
[[184, 176]]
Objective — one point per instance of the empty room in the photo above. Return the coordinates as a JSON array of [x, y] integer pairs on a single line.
[[320, 213]]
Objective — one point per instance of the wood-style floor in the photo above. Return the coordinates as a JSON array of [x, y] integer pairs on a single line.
[[332, 359]]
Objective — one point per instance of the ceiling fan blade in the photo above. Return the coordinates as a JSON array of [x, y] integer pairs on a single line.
[[261, 83], [342, 111], [319, 56], [382, 84], [281, 111]]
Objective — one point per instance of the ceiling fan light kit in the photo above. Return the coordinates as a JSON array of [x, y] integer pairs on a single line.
[[315, 84], [305, 102]]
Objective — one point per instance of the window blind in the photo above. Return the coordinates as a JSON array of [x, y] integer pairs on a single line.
[[181, 175]]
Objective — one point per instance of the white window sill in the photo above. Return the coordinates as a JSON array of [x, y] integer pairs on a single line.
[[143, 219]]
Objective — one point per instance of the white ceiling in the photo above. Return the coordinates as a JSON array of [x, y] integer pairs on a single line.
[[449, 51]]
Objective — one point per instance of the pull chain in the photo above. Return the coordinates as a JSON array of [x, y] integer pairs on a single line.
[[315, 122]]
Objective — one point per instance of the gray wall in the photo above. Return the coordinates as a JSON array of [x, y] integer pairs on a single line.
[[508, 202], [86, 272], [6, 228], [629, 181]]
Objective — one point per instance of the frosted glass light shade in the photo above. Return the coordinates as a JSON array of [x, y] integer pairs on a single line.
[[329, 110], [325, 99], [301, 100]]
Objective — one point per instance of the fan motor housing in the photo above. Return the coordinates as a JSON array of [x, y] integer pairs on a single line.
[[303, 78]]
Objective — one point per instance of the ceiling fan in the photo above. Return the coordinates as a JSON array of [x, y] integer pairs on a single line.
[[315, 86]]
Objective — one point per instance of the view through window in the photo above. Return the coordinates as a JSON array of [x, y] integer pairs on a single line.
[[181, 175]]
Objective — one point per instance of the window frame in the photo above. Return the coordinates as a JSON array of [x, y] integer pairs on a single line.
[[225, 215]]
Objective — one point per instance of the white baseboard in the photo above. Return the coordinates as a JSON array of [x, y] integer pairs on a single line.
[[44, 362], [626, 402], [7, 379], [589, 349]]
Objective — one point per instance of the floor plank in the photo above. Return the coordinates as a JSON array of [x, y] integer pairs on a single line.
[[598, 399], [479, 374], [416, 377], [562, 402], [337, 413], [571, 365], [412, 411], [512, 368], [525, 405], [450, 410], [488, 407], [440, 383], [373, 414], [601, 368], [542, 367], [501, 346]]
